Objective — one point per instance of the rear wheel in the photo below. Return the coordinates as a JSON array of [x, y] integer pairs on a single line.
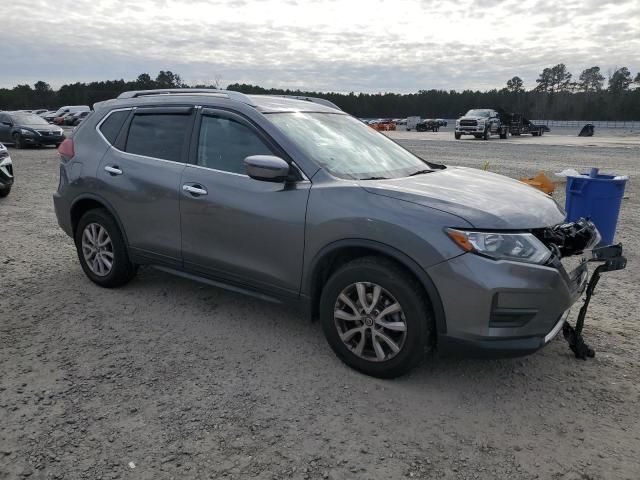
[[375, 317], [102, 250]]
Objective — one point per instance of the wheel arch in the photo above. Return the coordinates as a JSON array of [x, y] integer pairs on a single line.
[[338, 252], [86, 202]]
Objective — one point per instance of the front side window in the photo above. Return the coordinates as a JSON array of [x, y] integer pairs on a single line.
[[158, 135], [346, 147], [224, 144]]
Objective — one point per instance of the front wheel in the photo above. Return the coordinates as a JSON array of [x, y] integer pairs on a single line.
[[375, 317], [102, 250], [487, 134], [457, 135], [5, 191]]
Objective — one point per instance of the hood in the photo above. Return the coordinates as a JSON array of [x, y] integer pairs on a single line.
[[484, 199]]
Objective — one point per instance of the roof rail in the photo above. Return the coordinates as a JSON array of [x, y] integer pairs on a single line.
[[318, 100], [241, 97]]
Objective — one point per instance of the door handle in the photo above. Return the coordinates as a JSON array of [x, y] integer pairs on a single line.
[[194, 189], [113, 170]]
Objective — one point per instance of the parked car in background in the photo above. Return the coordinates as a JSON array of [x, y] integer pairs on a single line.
[[6, 171], [75, 118], [22, 129], [49, 116], [61, 119], [442, 122], [46, 113], [71, 109], [38, 111], [295, 201], [383, 125], [427, 125]]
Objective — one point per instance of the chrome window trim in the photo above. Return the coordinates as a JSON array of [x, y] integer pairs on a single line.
[[105, 118]]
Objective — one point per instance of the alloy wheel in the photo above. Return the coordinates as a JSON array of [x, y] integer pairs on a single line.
[[370, 321], [97, 249]]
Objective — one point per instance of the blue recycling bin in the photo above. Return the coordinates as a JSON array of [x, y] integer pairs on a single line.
[[597, 197]]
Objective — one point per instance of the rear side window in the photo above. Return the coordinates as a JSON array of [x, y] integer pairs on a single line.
[[158, 135], [112, 125], [225, 143]]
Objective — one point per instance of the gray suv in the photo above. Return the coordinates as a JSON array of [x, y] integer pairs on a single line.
[[291, 199]]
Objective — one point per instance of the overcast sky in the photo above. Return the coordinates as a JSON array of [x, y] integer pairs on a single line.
[[347, 45]]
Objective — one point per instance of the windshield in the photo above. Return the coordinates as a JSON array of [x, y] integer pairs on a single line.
[[28, 119], [478, 113], [346, 147]]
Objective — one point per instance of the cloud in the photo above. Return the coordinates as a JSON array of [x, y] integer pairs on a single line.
[[360, 45]]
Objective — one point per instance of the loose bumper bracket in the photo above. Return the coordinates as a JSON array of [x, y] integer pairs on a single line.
[[613, 260]]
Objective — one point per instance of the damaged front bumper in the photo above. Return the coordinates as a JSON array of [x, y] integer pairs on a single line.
[[508, 308]]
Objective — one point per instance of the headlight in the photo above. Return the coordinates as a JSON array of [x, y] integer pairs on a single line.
[[457, 123], [24, 131], [60, 132], [521, 247]]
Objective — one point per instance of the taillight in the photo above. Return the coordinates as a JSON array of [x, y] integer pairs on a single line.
[[66, 149]]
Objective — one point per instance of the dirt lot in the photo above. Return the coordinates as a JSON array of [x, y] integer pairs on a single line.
[[166, 378]]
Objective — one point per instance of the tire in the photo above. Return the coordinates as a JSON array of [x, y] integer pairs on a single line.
[[4, 192], [457, 135], [541, 132], [122, 270], [396, 288], [487, 134], [18, 143], [504, 135], [534, 134], [477, 135]]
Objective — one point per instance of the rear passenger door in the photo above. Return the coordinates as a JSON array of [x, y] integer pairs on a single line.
[[140, 177], [243, 231]]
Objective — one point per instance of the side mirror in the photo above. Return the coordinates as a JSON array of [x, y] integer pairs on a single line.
[[267, 168]]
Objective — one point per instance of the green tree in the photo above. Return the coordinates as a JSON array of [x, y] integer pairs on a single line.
[[515, 85], [620, 80], [168, 79], [591, 80]]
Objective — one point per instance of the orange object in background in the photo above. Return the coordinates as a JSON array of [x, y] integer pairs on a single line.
[[541, 182], [383, 126]]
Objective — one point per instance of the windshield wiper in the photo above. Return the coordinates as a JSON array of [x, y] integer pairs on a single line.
[[420, 172], [374, 178]]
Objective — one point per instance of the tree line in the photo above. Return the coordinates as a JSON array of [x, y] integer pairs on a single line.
[[557, 95]]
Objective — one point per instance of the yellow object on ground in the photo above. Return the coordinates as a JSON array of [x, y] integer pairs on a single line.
[[541, 182]]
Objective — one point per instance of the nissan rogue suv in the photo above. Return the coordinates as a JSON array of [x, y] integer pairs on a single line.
[[292, 200]]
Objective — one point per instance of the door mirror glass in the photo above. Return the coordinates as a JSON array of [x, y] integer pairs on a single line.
[[267, 168]]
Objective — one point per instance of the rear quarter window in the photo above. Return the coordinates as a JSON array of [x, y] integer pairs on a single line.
[[112, 125]]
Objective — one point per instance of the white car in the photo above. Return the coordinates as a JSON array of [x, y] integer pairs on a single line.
[[6, 172]]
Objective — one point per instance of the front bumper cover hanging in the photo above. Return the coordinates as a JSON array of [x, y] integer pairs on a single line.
[[613, 260]]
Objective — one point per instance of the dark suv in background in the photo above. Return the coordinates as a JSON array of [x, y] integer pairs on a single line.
[[293, 200], [22, 129]]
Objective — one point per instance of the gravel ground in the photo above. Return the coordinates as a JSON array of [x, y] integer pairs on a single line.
[[166, 378]]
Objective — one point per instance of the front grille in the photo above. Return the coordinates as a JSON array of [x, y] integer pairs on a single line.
[[468, 123]]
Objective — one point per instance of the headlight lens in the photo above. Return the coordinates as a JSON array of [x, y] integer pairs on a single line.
[[24, 131], [521, 247]]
